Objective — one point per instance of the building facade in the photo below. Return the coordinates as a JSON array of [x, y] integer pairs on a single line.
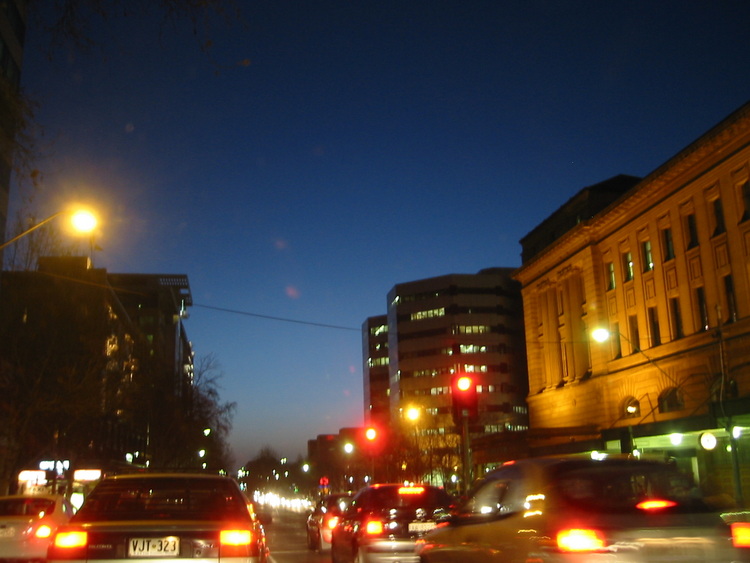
[[661, 263], [12, 32], [95, 368]]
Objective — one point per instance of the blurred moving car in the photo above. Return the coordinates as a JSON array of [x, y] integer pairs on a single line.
[[384, 521], [324, 518], [153, 517], [581, 509], [27, 522]]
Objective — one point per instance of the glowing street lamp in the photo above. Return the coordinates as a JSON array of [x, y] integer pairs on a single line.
[[81, 221]]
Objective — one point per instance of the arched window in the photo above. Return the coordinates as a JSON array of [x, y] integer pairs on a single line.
[[631, 408], [671, 400]]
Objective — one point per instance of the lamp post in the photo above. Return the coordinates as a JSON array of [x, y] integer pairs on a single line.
[[82, 220]]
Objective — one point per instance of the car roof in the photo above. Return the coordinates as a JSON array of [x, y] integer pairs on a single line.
[[169, 475]]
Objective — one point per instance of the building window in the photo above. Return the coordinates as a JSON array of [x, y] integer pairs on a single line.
[[627, 266], [635, 335], [653, 325], [666, 238], [745, 193], [719, 226], [428, 314], [647, 255], [701, 309], [692, 230], [611, 280], [676, 317], [730, 297], [671, 400], [631, 408]]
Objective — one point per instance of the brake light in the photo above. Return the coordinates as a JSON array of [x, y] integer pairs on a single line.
[[235, 537], [70, 540], [579, 539], [410, 490], [655, 504], [43, 531], [373, 527], [333, 521], [740, 534]]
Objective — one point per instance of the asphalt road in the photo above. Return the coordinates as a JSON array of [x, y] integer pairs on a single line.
[[286, 539]]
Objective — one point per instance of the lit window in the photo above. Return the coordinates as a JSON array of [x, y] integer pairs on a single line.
[[627, 266], [648, 259]]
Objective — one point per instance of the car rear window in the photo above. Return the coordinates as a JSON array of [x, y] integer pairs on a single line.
[[163, 499], [26, 506], [412, 498], [622, 486]]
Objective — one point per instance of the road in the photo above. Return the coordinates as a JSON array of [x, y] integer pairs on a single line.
[[287, 541]]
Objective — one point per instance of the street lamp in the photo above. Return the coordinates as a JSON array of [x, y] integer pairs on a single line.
[[81, 220]]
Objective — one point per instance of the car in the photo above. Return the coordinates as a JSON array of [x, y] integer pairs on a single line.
[[27, 522], [162, 516], [383, 522], [585, 509], [323, 519]]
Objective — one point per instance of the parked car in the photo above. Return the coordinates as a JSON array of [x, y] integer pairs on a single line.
[[27, 522], [577, 509], [383, 522], [152, 517], [323, 519]]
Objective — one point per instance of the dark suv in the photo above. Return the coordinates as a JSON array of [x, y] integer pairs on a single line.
[[384, 521]]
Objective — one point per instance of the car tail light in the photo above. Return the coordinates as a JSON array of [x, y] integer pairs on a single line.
[[740, 534], [43, 531], [71, 540], [333, 521], [580, 539], [235, 537], [410, 490], [655, 504], [373, 527]]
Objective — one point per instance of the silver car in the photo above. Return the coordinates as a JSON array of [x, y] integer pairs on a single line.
[[577, 509], [158, 517], [27, 523]]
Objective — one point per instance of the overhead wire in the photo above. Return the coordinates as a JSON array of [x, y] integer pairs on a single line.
[[272, 318]]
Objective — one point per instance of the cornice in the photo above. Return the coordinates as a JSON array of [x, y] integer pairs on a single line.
[[720, 142]]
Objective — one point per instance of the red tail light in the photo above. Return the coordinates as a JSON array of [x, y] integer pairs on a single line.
[[373, 527], [43, 531], [741, 534], [410, 490], [235, 537], [580, 539], [71, 540], [333, 521], [655, 504]]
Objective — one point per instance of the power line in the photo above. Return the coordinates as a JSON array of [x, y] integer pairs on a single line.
[[282, 319]]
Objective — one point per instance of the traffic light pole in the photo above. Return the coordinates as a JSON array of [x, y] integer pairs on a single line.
[[465, 452]]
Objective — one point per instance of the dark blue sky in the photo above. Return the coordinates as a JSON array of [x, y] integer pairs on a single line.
[[366, 144]]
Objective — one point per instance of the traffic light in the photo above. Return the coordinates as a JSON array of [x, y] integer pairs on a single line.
[[464, 398], [372, 440]]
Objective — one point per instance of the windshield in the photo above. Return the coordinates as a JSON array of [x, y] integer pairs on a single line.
[[26, 506], [598, 486], [172, 498], [410, 498]]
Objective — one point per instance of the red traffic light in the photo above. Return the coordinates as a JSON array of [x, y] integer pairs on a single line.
[[464, 398], [371, 434]]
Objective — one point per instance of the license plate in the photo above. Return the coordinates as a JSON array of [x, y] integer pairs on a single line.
[[421, 526], [154, 547]]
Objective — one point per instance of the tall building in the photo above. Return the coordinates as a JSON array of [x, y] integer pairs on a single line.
[[12, 32], [440, 327], [661, 263], [95, 368], [375, 370]]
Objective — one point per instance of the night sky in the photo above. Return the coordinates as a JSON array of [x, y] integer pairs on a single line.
[[365, 144]]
